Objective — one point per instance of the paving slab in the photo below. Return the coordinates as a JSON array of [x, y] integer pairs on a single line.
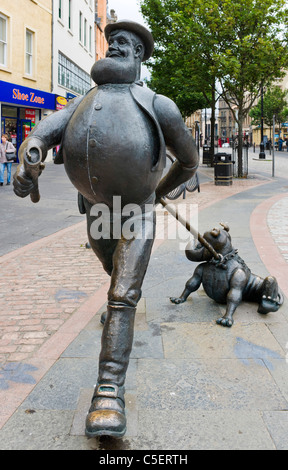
[[277, 425], [202, 430], [207, 384], [209, 340]]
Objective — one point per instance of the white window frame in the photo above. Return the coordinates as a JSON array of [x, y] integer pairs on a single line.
[[70, 8], [90, 38], [5, 41], [29, 54], [85, 32], [80, 26], [60, 10]]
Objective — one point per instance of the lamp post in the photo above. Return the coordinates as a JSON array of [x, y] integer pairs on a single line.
[[262, 152], [197, 135]]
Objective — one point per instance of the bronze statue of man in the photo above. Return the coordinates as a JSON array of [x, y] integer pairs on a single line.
[[113, 143]]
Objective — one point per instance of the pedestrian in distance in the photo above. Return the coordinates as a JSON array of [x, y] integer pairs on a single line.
[[6, 147]]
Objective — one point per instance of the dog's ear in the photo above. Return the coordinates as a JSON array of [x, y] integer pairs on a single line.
[[225, 226], [215, 232]]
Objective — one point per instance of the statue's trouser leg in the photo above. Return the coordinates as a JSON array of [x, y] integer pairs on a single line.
[[130, 260]]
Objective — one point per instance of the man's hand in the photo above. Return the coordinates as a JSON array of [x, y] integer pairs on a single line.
[[25, 180], [23, 185]]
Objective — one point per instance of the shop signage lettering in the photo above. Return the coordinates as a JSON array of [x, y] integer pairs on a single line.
[[30, 115], [20, 95], [60, 102], [31, 97]]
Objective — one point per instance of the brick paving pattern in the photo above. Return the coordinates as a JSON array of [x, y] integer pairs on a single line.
[[279, 231], [41, 288]]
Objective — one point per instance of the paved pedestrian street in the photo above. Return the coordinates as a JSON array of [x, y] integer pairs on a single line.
[[191, 384]]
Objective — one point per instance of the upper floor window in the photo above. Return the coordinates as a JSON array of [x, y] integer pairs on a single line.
[[70, 14], [90, 39], [85, 32], [60, 9], [3, 39], [80, 26], [71, 76], [29, 52]]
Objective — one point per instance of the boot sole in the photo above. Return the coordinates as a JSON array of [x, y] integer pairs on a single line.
[[105, 433]]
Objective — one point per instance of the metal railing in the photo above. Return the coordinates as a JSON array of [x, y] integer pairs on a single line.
[[191, 185]]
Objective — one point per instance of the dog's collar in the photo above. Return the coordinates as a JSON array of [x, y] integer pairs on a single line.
[[220, 263]]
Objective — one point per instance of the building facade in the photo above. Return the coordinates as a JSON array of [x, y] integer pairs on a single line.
[[25, 66], [73, 47], [227, 124], [102, 18], [47, 49], [280, 131]]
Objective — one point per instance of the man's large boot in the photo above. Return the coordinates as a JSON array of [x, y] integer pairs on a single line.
[[107, 412]]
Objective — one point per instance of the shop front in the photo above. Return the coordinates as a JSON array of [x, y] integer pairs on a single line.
[[21, 108]]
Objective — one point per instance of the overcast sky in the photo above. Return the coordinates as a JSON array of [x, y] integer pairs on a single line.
[[126, 10]]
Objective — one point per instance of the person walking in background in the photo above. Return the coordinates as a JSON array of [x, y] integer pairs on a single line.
[[5, 147]]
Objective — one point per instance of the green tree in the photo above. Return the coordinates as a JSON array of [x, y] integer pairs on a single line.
[[183, 65], [274, 104], [174, 82], [282, 118], [239, 44]]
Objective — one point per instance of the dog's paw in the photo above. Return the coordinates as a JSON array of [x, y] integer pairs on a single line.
[[225, 321], [177, 300]]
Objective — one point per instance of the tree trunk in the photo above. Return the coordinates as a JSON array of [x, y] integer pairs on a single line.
[[213, 107], [240, 143]]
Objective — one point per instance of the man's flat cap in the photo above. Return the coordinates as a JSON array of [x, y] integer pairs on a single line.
[[136, 28]]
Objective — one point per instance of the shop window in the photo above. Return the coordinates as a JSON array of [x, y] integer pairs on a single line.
[[3, 40], [29, 52], [9, 111]]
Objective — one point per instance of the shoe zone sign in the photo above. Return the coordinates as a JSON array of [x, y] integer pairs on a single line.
[[24, 96]]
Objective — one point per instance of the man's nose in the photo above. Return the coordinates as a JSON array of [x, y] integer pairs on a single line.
[[113, 45]]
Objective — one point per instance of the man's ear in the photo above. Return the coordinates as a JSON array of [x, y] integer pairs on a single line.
[[138, 51]]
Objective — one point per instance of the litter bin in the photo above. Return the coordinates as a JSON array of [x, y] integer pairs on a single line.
[[206, 155], [223, 169]]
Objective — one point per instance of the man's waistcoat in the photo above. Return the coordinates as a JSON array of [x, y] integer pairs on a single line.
[[144, 97]]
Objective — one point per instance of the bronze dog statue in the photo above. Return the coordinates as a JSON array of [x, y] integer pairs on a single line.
[[228, 280]]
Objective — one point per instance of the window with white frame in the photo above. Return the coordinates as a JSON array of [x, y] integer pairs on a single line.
[[3, 39], [70, 14], [90, 39], [60, 9], [29, 52], [80, 26], [85, 32], [71, 76]]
